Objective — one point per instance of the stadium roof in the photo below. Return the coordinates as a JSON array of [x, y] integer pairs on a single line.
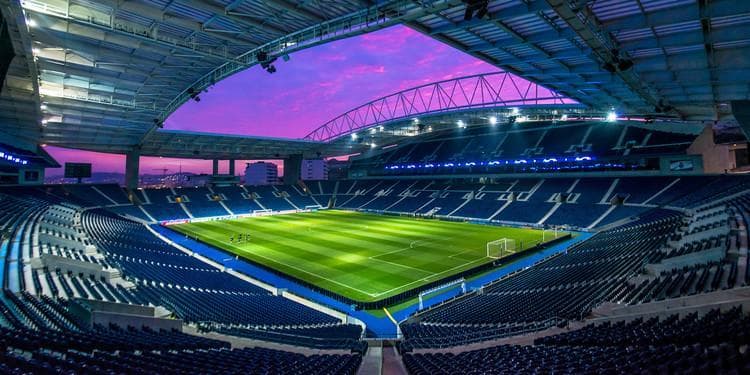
[[692, 55], [109, 72]]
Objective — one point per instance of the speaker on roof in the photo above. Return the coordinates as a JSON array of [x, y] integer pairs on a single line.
[[6, 50]]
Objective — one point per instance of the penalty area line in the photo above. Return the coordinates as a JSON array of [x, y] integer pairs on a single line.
[[428, 277], [315, 274]]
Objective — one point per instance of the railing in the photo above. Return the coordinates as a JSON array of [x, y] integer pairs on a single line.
[[285, 337], [498, 89], [477, 336]]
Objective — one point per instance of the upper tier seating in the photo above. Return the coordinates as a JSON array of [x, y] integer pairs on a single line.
[[568, 139], [585, 202]]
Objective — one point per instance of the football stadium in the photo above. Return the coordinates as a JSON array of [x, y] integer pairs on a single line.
[[374, 187]]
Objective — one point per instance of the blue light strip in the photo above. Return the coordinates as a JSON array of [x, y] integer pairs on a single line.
[[12, 158], [581, 160]]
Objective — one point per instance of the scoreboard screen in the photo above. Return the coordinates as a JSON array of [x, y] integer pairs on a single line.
[[77, 170]]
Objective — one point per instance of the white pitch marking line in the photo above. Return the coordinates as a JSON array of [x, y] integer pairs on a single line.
[[410, 247], [403, 265], [465, 251], [426, 278], [315, 274]]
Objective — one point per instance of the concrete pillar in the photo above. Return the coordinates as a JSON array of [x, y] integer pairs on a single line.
[[231, 167], [741, 113], [292, 168], [216, 167], [132, 163]]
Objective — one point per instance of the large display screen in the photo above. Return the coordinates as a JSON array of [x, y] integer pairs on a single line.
[[77, 170]]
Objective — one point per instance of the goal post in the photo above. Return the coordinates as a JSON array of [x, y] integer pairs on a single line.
[[500, 248], [549, 234]]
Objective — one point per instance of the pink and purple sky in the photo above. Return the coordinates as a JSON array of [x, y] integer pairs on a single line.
[[315, 86]]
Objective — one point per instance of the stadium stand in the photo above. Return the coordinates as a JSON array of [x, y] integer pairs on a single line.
[[664, 254], [113, 259], [601, 141], [581, 208], [687, 245], [690, 344]]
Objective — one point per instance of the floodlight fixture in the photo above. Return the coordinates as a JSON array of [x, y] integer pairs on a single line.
[[625, 65]]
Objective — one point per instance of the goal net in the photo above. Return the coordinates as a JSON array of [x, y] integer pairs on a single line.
[[500, 248]]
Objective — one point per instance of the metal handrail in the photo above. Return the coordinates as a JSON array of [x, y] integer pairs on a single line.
[[484, 335]]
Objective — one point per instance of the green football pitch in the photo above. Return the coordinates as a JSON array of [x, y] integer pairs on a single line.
[[364, 257]]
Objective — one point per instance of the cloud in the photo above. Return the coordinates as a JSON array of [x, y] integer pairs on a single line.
[[315, 86]]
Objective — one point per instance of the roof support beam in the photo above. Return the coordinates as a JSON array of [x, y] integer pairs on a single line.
[[522, 9], [373, 18], [236, 17], [296, 10], [709, 49], [162, 16], [601, 46], [113, 26], [674, 15]]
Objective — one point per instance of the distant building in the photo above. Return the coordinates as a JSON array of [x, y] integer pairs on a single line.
[[314, 169], [261, 173]]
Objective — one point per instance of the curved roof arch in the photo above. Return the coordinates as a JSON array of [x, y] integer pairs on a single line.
[[104, 74], [110, 72], [490, 90]]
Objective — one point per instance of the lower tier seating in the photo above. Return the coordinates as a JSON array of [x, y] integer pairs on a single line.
[[713, 343], [222, 361]]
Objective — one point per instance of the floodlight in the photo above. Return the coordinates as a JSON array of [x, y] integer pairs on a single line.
[[625, 65]]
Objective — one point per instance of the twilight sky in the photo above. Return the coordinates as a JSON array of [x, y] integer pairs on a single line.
[[315, 86]]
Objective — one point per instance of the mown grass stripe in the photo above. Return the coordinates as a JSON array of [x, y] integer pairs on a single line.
[[335, 249]]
